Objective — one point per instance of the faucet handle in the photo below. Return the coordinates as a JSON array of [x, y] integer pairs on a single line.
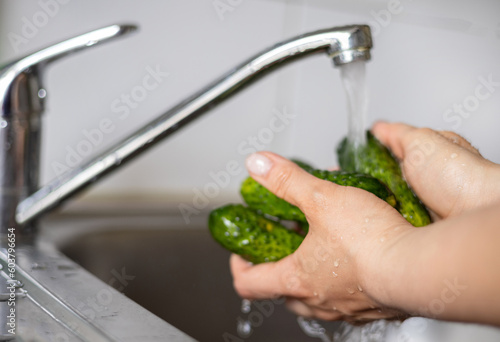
[[22, 99], [15, 75]]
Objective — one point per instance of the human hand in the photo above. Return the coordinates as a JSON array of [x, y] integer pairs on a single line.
[[443, 169], [333, 273]]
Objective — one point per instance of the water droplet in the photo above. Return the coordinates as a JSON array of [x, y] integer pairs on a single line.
[[334, 308], [15, 283], [65, 267], [315, 294], [360, 288], [453, 155], [253, 67], [382, 239], [367, 220], [350, 291], [37, 266], [244, 327], [336, 263], [335, 274], [42, 93], [3, 124], [246, 306]]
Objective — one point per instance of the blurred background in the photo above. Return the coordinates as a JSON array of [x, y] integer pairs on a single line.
[[429, 59]]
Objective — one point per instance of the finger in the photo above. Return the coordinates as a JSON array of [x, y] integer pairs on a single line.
[[288, 181], [460, 141], [400, 138], [393, 136], [299, 308], [302, 309], [263, 281], [373, 314]]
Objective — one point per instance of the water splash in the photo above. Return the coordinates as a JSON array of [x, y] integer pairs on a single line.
[[377, 331], [313, 329]]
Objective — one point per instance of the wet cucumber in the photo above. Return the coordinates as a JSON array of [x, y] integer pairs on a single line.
[[376, 160], [260, 198], [245, 232]]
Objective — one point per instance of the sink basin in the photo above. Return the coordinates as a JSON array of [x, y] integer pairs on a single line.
[[178, 273]]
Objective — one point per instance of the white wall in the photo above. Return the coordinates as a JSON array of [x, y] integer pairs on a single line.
[[427, 57]]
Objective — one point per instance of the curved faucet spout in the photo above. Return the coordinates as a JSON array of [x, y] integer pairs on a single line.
[[343, 44]]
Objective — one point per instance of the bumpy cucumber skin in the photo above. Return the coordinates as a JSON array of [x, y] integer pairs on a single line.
[[259, 198], [377, 161], [245, 232]]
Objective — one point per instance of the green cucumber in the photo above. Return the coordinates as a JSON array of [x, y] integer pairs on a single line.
[[256, 238], [260, 198], [376, 160]]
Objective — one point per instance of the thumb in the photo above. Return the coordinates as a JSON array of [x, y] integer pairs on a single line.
[[393, 135], [267, 280], [288, 181]]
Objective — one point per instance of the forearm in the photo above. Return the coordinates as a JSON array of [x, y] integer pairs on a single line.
[[448, 270]]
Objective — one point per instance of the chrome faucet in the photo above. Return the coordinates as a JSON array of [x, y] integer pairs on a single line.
[[22, 97]]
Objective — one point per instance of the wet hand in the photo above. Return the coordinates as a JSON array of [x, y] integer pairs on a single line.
[[333, 274], [446, 172]]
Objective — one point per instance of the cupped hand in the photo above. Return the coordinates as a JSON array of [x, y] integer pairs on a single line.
[[444, 170], [333, 274]]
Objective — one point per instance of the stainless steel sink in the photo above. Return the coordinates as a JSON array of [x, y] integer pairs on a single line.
[[178, 273]]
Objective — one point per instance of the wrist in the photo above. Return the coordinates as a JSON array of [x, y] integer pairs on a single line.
[[491, 184], [386, 274]]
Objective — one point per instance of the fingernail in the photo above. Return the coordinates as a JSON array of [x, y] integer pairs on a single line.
[[258, 164]]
